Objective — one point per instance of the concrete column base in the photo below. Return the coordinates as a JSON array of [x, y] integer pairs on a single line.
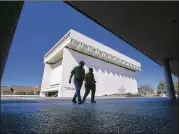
[[42, 94], [168, 79]]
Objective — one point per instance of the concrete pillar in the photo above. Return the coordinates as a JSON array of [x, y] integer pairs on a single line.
[[10, 13], [168, 79], [42, 94]]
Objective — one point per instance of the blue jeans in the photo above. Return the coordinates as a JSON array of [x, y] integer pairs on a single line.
[[78, 84]]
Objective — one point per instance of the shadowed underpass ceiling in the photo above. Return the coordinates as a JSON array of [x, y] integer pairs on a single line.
[[150, 27]]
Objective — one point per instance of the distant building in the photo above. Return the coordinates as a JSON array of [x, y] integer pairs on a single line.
[[113, 71], [12, 89]]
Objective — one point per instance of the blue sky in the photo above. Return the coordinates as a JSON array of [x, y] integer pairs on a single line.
[[42, 24]]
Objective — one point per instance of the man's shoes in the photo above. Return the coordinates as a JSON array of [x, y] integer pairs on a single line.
[[93, 101], [74, 101], [83, 101]]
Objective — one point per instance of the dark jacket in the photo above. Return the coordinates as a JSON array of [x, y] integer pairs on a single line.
[[89, 79], [79, 73]]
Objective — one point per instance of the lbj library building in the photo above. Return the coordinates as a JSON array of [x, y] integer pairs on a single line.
[[113, 71]]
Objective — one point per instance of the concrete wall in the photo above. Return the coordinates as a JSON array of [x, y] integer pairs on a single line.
[[56, 73], [52, 75], [110, 78], [46, 75]]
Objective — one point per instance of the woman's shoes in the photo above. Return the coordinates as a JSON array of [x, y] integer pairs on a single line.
[[80, 102], [93, 101]]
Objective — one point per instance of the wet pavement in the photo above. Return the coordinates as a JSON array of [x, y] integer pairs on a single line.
[[117, 115]]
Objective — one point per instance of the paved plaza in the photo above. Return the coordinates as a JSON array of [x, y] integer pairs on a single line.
[[108, 115]]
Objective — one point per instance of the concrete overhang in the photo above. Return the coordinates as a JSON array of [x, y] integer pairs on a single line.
[[150, 27], [9, 16], [83, 44]]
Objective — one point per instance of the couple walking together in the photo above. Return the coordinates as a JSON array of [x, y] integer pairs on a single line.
[[79, 76]]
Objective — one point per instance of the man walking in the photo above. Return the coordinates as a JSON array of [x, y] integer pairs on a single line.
[[79, 75], [90, 85]]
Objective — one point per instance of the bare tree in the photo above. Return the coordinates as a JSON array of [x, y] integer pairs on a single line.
[[121, 90], [146, 89]]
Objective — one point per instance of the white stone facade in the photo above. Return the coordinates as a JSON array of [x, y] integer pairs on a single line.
[[113, 71]]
